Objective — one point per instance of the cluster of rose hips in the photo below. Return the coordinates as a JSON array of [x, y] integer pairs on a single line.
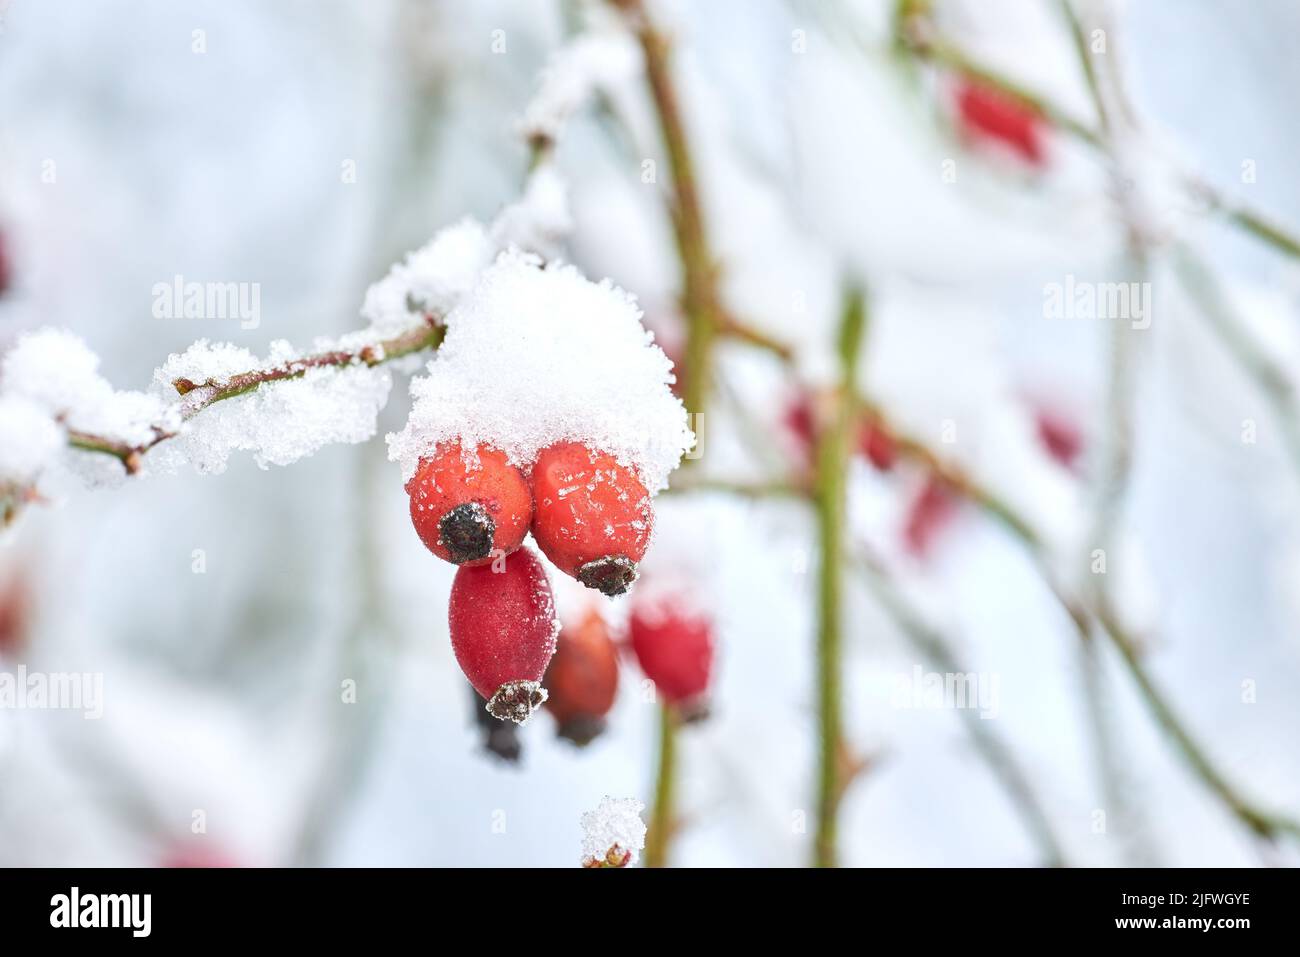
[[589, 514], [672, 644]]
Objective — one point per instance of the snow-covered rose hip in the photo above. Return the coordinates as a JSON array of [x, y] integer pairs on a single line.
[[593, 516], [582, 680], [673, 643], [465, 508], [503, 628]]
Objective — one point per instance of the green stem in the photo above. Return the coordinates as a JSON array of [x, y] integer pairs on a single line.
[[659, 834], [699, 303], [833, 453]]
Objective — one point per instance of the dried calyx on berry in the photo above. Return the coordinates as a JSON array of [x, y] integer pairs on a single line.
[[593, 516], [582, 680], [499, 737], [503, 629], [469, 507], [616, 856]]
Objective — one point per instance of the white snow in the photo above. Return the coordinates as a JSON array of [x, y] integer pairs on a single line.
[[591, 62], [616, 822], [431, 278], [540, 220], [281, 422], [56, 371], [538, 354], [30, 440]]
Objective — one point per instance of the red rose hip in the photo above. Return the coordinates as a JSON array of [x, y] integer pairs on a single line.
[[989, 114], [593, 517], [503, 628], [582, 680], [674, 646], [466, 510]]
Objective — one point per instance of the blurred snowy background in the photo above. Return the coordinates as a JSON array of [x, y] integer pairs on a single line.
[[128, 158]]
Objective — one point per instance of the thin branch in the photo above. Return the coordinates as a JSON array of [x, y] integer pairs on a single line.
[[996, 751], [916, 36], [734, 328], [197, 396], [1129, 645], [1273, 380], [754, 490], [700, 306]]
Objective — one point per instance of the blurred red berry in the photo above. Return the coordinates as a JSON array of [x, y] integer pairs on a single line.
[[801, 424], [502, 619], [582, 680], [989, 114], [930, 512], [593, 516], [15, 615], [1060, 436], [674, 646], [192, 855], [6, 268], [877, 444], [464, 511]]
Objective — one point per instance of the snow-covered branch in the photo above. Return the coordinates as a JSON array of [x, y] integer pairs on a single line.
[[197, 396]]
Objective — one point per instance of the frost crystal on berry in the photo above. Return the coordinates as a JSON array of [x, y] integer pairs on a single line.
[[613, 834]]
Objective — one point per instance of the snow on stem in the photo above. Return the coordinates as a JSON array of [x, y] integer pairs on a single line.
[[199, 395]]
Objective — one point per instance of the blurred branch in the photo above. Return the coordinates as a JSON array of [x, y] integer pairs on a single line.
[[197, 396], [989, 744], [1082, 616], [756, 490], [1273, 379], [834, 448], [734, 328], [700, 306], [916, 35]]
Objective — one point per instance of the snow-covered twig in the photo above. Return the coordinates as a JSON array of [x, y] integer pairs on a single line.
[[198, 396]]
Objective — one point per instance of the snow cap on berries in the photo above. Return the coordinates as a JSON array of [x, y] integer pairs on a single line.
[[536, 355], [613, 834]]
